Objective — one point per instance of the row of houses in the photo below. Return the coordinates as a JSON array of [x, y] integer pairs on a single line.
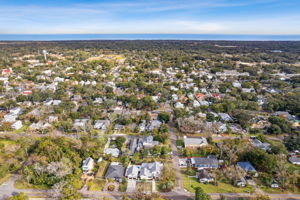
[[116, 171]]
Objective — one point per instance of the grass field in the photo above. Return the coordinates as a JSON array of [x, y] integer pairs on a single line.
[[22, 184], [102, 169], [5, 178], [144, 186], [191, 183], [96, 185]]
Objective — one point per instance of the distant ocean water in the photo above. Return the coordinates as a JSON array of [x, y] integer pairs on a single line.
[[55, 37]]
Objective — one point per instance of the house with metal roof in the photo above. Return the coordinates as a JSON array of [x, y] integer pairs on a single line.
[[194, 142], [247, 167], [204, 163]]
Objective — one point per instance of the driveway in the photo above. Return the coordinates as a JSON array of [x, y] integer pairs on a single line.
[[131, 185]]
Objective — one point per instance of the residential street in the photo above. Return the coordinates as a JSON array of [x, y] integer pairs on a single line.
[[175, 159]]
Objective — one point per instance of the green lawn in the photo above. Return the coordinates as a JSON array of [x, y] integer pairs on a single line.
[[22, 129], [7, 142], [5, 178], [102, 169], [191, 183], [96, 185], [144, 186], [22, 184]]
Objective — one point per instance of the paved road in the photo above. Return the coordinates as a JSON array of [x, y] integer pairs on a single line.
[[7, 189], [175, 158]]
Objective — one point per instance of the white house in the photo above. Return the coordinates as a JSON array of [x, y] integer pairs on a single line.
[[17, 125], [295, 160], [132, 171], [115, 152], [88, 165], [205, 177], [151, 170], [102, 124]]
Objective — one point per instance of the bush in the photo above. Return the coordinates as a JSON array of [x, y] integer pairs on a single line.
[[111, 188]]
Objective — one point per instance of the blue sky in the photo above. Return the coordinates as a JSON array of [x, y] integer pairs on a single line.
[[150, 16]]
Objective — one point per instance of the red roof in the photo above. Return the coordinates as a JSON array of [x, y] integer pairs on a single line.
[[200, 96], [7, 70]]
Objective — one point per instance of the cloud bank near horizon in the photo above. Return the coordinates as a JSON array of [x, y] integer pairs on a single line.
[[163, 16]]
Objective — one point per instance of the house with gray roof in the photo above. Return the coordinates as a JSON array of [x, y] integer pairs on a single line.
[[115, 171], [205, 177], [204, 163], [151, 170], [262, 145], [295, 160], [102, 124], [225, 117], [132, 171], [194, 142], [247, 167], [149, 142]]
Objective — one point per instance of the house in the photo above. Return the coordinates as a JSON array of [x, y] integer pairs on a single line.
[[295, 160], [48, 102], [248, 168], [151, 170], [285, 115], [118, 128], [274, 184], [225, 117], [114, 152], [39, 125], [241, 182], [102, 124], [132, 171], [80, 124], [205, 177], [179, 105], [87, 165], [98, 101], [115, 171], [154, 124], [236, 84], [142, 126], [262, 145], [9, 118], [52, 118], [148, 142], [196, 104], [133, 146], [204, 163], [194, 142], [56, 102], [17, 125], [248, 90], [16, 111], [6, 72], [26, 92], [200, 96], [182, 162], [76, 98]]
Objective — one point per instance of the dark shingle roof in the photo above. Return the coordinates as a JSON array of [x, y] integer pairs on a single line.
[[115, 171]]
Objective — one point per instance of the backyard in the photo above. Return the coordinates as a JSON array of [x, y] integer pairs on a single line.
[[191, 183]]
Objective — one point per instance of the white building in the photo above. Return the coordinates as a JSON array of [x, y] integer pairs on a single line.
[[88, 165], [17, 125]]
